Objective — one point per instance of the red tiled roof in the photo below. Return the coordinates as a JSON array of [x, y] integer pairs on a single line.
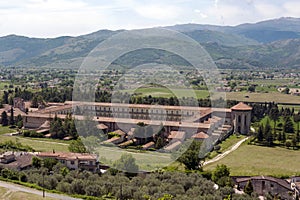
[[68, 156], [241, 106], [176, 135], [102, 126], [200, 135]]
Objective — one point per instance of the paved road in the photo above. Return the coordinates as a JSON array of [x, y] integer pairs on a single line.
[[220, 156], [15, 187]]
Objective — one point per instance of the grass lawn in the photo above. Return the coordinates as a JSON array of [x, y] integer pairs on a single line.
[[263, 97], [145, 160], [252, 160], [12, 195], [227, 144], [6, 129], [38, 144]]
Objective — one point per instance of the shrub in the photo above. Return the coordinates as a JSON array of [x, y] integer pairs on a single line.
[[33, 134]]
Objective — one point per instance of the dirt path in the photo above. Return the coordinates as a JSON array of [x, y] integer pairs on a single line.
[[15, 187], [220, 156]]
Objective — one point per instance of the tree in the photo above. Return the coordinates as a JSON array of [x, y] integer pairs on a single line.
[[288, 126], [4, 119], [296, 119], [159, 143], [49, 163], [36, 162], [268, 134], [19, 121], [248, 188], [260, 133], [190, 155], [5, 97], [126, 164], [34, 102], [11, 117], [279, 136], [294, 141], [251, 88], [220, 171], [283, 137], [274, 115], [77, 146], [56, 128]]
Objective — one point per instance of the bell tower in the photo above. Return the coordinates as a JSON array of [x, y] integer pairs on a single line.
[[241, 118]]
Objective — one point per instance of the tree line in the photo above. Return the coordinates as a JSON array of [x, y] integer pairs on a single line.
[[156, 185], [285, 132]]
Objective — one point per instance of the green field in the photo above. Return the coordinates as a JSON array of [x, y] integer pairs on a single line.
[[146, 160], [227, 144], [6, 129], [36, 144], [252, 160], [165, 92]]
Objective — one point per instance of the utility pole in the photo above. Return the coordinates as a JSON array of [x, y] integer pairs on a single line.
[[42, 165]]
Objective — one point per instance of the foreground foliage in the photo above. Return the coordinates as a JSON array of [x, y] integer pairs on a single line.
[[159, 185]]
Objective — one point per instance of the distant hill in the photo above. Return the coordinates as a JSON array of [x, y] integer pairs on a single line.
[[263, 32], [272, 43]]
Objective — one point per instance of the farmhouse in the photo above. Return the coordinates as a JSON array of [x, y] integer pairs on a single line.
[[83, 161], [263, 185], [16, 160]]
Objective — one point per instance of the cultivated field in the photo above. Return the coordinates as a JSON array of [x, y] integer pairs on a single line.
[[263, 97], [202, 94], [165, 92]]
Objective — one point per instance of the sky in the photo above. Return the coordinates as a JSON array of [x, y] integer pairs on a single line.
[[53, 18]]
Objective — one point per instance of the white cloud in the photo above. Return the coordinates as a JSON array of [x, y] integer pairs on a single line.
[[200, 13], [158, 12], [267, 10], [292, 8], [50, 18]]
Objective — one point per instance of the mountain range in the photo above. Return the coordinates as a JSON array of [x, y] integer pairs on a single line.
[[267, 44]]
